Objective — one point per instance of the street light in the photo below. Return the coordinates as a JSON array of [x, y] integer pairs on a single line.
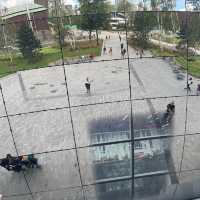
[[28, 13]]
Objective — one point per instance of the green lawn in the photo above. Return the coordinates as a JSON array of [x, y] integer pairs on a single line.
[[49, 55], [157, 52], [193, 62]]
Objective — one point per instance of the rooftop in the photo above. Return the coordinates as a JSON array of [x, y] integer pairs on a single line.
[[22, 10]]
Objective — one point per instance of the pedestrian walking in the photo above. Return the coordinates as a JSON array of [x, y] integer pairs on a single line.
[[87, 85], [106, 37], [190, 82], [198, 89], [122, 46], [19, 163], [141, 53], [30, 161], [123, 52], [104, 50], [120, 38], [109, 36], [137, 52], [110, 51]]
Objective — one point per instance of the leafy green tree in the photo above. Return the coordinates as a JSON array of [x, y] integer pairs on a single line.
[[94, 15], [190, 30], [28, 44], [144, 22], [169, 21], [195, 4], [155, 4]]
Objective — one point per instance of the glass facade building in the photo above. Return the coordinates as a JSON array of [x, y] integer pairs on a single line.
[[119, 138]]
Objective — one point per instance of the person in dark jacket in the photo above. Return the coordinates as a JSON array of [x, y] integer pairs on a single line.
[[87, 85]]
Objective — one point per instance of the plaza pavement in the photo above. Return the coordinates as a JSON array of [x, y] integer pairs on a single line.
[[52, 130]]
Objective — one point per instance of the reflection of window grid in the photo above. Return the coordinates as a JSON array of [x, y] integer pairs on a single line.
[[137, 143]]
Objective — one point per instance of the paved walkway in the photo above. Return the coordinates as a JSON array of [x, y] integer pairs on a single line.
[[52, 130], [173, 46], [115, 43]]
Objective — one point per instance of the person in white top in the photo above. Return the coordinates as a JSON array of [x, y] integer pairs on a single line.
[[87, 85]]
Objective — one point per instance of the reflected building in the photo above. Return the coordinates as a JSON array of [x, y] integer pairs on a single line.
[[192, 5], [20, 14], [168, 5], [117, 20], [163, 5], [114, 161], [35, 14]]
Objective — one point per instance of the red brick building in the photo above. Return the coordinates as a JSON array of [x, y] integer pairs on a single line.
[[20, 14]]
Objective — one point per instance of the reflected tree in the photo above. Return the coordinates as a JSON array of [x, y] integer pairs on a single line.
[[94, 16], [195, 4], [28, 44], [190, 31], [155, 5], [124, 5], [144, 23]]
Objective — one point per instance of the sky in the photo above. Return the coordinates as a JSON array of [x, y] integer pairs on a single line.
[[180, 4], [10, 3]]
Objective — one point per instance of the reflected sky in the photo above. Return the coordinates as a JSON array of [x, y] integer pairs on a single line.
[[11, 3], [180, 4]]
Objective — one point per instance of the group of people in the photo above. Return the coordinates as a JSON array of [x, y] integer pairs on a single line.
[[139, 52], [109, 51], [19, 163], [188, 87], [107, 37]]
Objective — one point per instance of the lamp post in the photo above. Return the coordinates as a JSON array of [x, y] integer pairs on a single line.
[[28, 14]]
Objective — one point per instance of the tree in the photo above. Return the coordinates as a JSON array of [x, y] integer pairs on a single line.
[[28, 44], [94, 15], [169, 21], [124, 5], [190, 30], [155, 4], [195, 4], [144, 22]]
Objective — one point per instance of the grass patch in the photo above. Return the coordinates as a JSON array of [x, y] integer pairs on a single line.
[[49, 55], [157, 52], [180, 60]]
